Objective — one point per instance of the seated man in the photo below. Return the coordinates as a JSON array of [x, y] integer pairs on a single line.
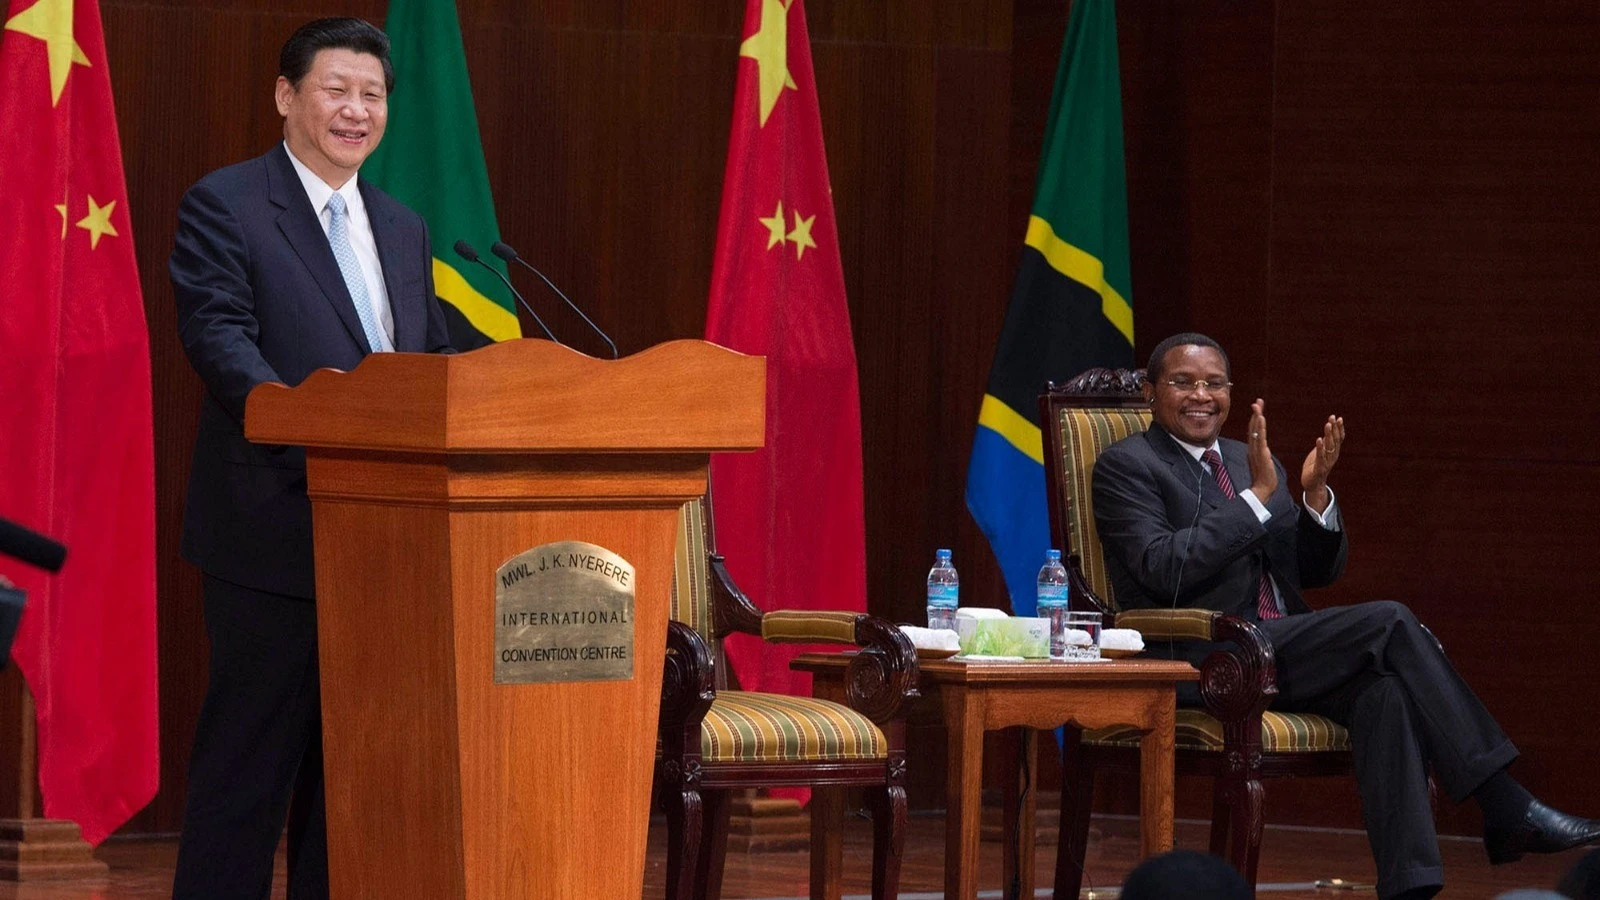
[[1178, 532]]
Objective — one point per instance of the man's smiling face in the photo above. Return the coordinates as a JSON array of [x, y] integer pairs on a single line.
[[1194, 416], [334, 118]]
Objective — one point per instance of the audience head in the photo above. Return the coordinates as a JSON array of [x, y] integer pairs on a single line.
[[1583, 882], [1188, 412], [1185, 875]]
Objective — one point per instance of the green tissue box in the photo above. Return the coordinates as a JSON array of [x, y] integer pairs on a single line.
[[1004, 637]]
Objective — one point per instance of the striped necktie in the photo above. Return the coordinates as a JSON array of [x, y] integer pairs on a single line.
[[345, 254], [1266, 604]]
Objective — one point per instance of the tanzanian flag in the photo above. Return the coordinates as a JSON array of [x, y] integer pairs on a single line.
[[1071, 307], [431, 160]]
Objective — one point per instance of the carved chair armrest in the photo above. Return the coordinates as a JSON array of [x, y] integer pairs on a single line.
[[1171, 624], [689, 679], [1236, 683], [880, 679], [809, 626], [731, 609]]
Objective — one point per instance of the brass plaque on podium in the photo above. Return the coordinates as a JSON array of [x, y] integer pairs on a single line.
[[563, 612]]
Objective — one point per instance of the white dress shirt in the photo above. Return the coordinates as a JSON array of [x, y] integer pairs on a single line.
[[1328, 518], [361, 239]]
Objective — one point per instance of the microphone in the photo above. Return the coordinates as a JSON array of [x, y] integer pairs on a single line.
[[465, 251], [30, 546], [504, 251]]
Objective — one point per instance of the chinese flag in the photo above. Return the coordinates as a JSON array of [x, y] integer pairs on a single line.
[[789, 516], [76, 459]]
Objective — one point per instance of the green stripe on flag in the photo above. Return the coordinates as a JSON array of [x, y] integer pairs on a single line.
[[431, 158], [1072, 302], [1082, 178]]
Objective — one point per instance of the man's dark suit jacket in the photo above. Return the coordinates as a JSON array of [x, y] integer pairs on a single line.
[[260, 298], [1160, 514]]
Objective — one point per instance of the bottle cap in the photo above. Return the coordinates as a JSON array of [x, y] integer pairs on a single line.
[[942, 553], [1053, 555]]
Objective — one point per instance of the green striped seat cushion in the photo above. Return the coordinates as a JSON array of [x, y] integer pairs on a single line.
[[747, 726], [1280, 733], [691, 574], [1084, 434]]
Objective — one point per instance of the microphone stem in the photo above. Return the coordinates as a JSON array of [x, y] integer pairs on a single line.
[[536, 320], [573, 306]]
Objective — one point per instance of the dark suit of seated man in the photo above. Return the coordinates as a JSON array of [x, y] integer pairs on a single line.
[[283, 264], [1191, 520]]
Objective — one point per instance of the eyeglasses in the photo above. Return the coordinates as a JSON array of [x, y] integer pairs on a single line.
[[1185, 386]]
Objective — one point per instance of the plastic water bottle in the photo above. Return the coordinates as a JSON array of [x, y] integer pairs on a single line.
[[944, 592], [1052, 601]]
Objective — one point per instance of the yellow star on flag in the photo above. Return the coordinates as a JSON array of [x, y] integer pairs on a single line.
[[98, 222], [769, 47], [774, 227], [801, 235], [62, 208], [51, 21]]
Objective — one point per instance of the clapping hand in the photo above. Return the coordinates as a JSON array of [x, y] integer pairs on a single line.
[[1263, 474], [1319, 462]]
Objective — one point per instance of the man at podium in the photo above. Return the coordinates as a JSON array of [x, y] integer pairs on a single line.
[[282, 265]]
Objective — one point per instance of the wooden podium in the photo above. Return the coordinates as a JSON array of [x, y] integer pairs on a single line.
[[426, 474]]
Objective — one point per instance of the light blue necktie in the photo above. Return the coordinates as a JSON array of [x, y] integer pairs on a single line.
[[339, 238]]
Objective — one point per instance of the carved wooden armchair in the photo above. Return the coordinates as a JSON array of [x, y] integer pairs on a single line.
[[714, 740], [1234, 738]]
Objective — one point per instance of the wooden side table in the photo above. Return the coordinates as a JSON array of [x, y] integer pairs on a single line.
[[979, 697]]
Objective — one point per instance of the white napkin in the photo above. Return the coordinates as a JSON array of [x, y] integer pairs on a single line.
[[1121, 639], [981, 612], [932, 638]]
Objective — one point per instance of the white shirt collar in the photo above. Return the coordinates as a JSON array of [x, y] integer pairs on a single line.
[[1197, 451], [318, 191]]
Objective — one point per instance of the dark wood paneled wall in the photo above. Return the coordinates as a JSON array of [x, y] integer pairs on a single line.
[[1385, 210], [1434, 260]]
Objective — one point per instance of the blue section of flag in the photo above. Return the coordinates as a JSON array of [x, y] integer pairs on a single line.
[[1005, 494]]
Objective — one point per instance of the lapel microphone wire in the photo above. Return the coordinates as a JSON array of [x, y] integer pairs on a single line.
[[1199, 501]]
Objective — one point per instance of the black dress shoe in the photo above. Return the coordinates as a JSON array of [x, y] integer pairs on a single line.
[[1542, 830]]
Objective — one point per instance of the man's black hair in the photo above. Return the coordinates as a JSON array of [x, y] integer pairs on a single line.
[[1158, 356], [360, 36]]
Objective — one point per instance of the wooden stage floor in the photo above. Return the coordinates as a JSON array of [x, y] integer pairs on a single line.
[[1291, 860]]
